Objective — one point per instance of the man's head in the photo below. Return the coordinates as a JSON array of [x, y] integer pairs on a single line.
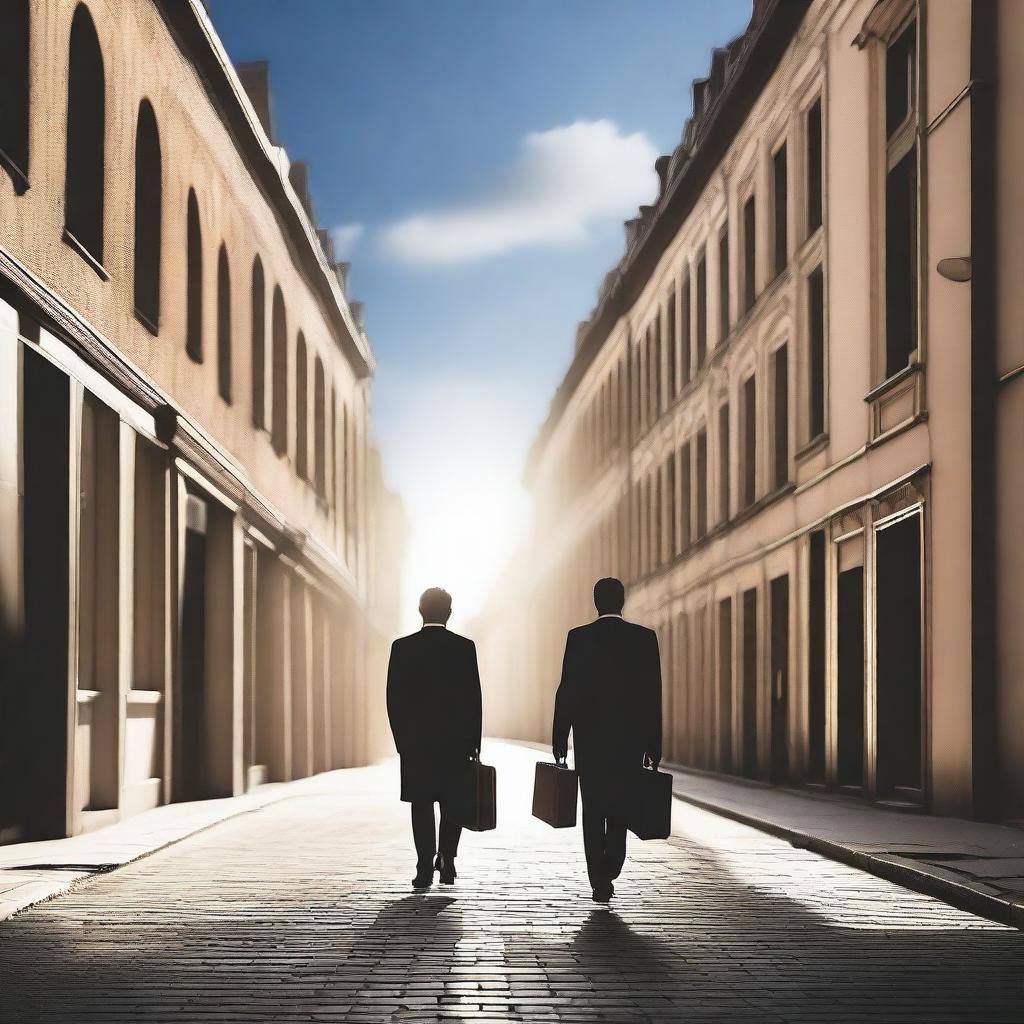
[[435, 605], [609, 596]]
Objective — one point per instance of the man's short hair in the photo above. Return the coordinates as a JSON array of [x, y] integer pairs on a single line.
[[609, 596], [435, 605]]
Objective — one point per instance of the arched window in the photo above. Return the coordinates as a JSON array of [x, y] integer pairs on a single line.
[[279, 369], [301, 410], [148, 211], [83, 184], [258, 343], [319, 425], [14, 50], [223, 325], [194, 283]]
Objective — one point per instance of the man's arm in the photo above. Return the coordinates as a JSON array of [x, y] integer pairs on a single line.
[[396, 712], [565, 703], [475, 701], [653, 713]]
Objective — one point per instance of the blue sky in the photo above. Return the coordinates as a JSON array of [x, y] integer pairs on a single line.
[[477, 159]]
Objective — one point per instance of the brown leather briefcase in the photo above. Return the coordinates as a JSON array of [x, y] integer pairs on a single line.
[[474, 797], [554, 794]]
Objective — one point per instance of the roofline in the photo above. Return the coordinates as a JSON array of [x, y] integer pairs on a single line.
[[193, 31], [771, 35]]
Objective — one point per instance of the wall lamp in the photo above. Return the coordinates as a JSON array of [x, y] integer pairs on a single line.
[[955, 268]]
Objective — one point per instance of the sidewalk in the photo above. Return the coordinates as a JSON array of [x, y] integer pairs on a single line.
[[36, 871], [972, 865]]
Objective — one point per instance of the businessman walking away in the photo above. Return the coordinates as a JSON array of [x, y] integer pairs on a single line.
[[435, 712], [610, 697]]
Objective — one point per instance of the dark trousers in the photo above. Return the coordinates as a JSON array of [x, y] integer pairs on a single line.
[[423, 834], [604, 841]]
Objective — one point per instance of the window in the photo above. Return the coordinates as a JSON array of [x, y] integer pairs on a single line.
[[702, 483], [258, 318], [781, 411], [319, 420], [684, 325], [14, 87], [673, 508], [223, 325], [279, 379], [781, 210], [301, 410], [702, 310], [671, 343], [83, 183], [816, 355], [749, 462], [685, 535], [901, 284], [194, 282], [723, 283], [814, 167], [749, 254], [148, 213], [723, 463], [334, 449]]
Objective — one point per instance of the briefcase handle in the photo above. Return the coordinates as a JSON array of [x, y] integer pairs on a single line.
[[562, 762]]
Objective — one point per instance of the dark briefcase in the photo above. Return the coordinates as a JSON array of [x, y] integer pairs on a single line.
[[650, 810], [474, 797], [554, 794]]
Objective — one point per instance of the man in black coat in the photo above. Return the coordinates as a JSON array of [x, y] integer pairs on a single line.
[[434, 708], [610, 696]]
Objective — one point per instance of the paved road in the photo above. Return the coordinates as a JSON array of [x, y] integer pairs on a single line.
[[302, 911]]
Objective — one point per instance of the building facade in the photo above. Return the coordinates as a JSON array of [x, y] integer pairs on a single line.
[[188, 596], [791, 424]]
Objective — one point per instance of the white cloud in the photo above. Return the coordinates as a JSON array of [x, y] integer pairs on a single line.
[[345, 237], [563, 181]]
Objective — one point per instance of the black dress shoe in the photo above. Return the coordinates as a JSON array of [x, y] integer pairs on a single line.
[[603, 893], [447, 869], [423, 879]]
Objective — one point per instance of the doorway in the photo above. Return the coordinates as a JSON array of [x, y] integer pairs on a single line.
[[779, 660], [898, 667], [748, 708], [193, 652], [850, 665]]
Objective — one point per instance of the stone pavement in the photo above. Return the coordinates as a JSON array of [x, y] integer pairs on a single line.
[[302, 911], [971, 864], [36, 871]]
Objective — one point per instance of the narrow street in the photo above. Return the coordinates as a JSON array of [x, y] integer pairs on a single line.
[[302, 911]]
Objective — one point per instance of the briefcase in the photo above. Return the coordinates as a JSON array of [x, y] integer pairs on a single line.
[[474, 797], [650, 810], [554, 794]]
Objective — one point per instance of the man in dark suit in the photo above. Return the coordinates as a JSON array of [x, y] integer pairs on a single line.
[[434, 708], [610, 696]]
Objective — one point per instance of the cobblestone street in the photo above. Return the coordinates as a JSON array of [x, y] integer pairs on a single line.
[[302, 911]]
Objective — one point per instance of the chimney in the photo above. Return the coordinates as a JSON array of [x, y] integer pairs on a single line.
[[327, 244], [341, 273], [255, 78], [298, 175]]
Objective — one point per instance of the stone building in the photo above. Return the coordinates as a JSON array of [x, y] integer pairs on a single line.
[[189, 603], [792, 424]]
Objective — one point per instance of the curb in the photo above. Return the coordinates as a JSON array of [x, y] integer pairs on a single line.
[[902, 872]]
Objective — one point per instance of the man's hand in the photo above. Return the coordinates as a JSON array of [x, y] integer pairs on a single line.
[[559, 755], [652, 760]]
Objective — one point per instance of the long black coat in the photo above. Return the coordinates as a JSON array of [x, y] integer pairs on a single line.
[[610, 697], [434, 707]]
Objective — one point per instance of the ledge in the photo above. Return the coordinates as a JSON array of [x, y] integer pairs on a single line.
[[69, 240]]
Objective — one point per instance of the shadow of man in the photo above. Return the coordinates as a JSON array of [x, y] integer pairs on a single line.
[[410, 946]]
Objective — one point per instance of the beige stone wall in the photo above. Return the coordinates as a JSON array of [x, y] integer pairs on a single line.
[[892, 446], [141, 60]]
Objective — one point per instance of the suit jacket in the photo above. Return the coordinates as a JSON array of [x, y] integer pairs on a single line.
[[610, 697], [434, 708]]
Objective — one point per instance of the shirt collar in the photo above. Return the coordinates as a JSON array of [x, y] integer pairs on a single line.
[[610, 615], [436, 625]]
